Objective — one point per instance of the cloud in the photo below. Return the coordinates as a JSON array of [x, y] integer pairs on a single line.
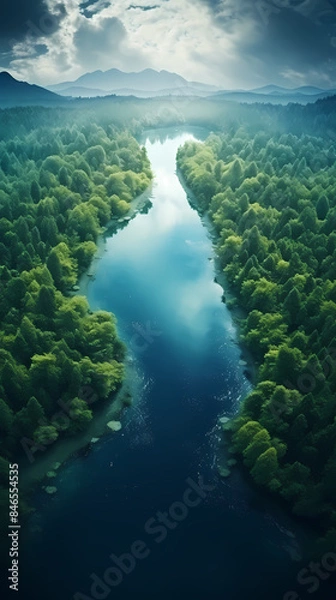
[[93, 40], [21, 20], [78, 45], [92, 7], [231, 43], [144, 8], [100, 42], [287, 41]]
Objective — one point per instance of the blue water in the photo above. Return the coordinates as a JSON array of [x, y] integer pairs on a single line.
[[157, 276]]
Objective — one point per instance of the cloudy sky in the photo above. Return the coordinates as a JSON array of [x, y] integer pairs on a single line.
[[230, 43]]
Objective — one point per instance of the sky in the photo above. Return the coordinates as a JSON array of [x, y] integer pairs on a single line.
[[228, 43]]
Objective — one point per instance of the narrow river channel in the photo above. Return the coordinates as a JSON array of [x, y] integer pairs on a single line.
[[221, 540]]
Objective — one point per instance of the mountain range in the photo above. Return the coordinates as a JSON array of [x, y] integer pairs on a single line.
[[302, 95], [149, 83], [145, 84]]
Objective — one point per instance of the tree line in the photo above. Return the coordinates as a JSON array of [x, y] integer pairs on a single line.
[[59, 186], [272, 200]]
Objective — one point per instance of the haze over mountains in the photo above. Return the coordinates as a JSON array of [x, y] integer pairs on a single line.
[[301, 95], [149, 83], [145, 84]]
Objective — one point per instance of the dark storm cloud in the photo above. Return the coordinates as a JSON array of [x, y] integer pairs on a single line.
[[289, 35], [20, 19], [92, 7], [296, 40]]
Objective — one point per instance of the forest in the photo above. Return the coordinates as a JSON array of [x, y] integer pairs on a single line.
[[59, 187], [272, 200], [135, 115], [267, 179]]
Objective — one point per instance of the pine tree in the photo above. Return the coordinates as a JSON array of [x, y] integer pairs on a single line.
[[35, 191], [266, 467], [45, 303], [292, 305], [6, 417], [322, 207]]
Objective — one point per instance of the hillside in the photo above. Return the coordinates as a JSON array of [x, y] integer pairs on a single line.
[[19, 93]]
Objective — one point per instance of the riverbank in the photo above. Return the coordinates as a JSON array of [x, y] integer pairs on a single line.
[[67, 448], [226, 459], [229, 298], [139, 205], [238, 315]]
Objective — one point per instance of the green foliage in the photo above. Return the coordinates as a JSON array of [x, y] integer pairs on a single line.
[[58, 187], [272, 200], [45, 435], [79, 414], [266, 467], [6, 418]]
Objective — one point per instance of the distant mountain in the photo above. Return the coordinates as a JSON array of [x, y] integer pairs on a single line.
[[82, 92], [19, 93], [150, 83], [276, 95], [305, 89], [144, 84], [270, 89]]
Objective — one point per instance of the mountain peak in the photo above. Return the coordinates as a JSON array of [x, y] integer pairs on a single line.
[[6, 76], [148, 80], [20, 93]]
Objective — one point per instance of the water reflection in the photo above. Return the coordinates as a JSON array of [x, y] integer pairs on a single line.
[[172, 133], [172, 276]]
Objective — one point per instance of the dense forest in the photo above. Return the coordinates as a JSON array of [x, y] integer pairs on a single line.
[[272, 200], [66, 172], [135, 114], [59, 186]]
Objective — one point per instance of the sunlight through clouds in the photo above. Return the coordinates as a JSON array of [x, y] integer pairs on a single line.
[[226, 43]]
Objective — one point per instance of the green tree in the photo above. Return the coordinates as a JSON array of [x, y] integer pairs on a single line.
[[266, 467], [292, 305], [6, 418], [322, 207], [35, 191], [243, 437], [45, 303], [260, 443], [80, 414], [45, 435], [55, 268]]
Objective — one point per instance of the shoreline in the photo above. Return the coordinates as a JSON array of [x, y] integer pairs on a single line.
[[237, 313], [230, 300], [33, 475], [138, 206], [227, 462]]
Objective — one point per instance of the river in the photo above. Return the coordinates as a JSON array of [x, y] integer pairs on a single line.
[[221, 540]]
